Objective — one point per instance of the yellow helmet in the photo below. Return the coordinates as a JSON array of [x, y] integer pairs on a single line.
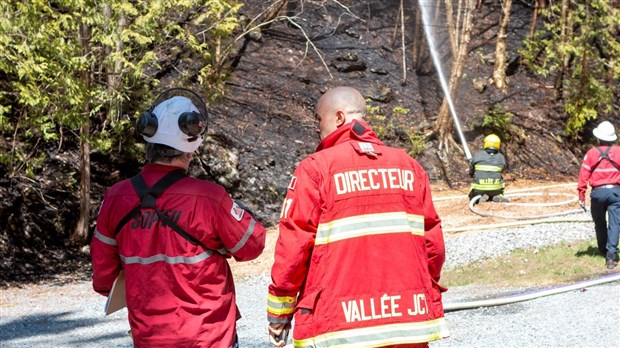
[[492, 141]]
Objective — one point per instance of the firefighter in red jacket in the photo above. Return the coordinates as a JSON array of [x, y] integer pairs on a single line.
[[360, 248], [172, 235], [601, 169]]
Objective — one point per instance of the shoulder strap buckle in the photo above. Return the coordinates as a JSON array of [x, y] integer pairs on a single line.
[[149, 195]]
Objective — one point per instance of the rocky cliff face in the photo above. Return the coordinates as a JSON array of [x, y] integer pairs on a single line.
[[264, 125], [266, 118]]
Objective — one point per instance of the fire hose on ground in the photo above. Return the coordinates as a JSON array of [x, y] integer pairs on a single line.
[[476, 199], [526, 220], [449, 307]]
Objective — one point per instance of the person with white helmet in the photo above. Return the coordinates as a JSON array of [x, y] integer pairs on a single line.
[[171, 235], [486, 167], [601, 170]]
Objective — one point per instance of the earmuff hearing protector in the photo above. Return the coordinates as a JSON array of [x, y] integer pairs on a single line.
[[147, 123], [192, 123]]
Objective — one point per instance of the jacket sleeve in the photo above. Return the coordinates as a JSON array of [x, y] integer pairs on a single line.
[[433, 233], [504, 163], [241, 233], [584, 176], [298, 224], [474, 160], [104, 254]]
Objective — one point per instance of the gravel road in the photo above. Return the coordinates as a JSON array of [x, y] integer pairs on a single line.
[[71, 315]]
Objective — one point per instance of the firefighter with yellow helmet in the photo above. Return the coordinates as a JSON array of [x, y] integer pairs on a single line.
[[486, 169]]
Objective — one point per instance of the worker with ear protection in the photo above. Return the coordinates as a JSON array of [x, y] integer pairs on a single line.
[[486, 167], [172, 234]]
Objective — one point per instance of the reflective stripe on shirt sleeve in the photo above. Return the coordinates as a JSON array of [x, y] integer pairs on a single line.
[[104, 239], [245, 237], [167, 259]]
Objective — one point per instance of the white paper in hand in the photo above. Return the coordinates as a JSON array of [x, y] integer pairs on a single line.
[[116, 298]]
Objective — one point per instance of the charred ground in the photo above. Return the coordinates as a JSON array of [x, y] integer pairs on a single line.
[[264, 124]]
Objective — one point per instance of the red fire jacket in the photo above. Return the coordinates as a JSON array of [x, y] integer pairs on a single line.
[[178, 294], [360, 248], [604, 172]]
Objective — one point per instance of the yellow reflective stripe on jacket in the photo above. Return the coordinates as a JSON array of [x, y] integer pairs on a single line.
[[487, 187], [280, 305], [487, 168], [379, 336], [371, 224]]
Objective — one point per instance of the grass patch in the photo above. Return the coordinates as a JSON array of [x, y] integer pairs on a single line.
[[564, 263]]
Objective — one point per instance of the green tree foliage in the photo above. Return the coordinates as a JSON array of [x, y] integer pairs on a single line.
[[67, 62], [387, 128], [498, 121], [37, 56], [587, 57]]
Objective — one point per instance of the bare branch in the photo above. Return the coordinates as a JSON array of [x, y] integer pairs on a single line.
[[293, 21], [309, 42], [340, 19], [348, 11], [396, 25]]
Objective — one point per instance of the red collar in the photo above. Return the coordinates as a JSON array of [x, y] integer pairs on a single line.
[[355, 130]]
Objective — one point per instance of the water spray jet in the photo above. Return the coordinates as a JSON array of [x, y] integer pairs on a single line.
[[426, 23]]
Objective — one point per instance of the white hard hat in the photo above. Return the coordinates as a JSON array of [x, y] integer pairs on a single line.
[[605, 131], [168, 130]]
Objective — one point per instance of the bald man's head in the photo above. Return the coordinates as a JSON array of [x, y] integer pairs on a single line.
[[337, 107]]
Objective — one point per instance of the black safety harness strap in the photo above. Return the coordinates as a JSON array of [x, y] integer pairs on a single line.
[[604, 155], [148, 196]]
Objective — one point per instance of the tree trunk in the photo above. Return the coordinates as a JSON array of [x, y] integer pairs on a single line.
[[583, 78], [416, 47], [563, 27], [451, 27], [499, 70], [444, 126], [113, 69], [437, 11], [538, 6], [80, 234]]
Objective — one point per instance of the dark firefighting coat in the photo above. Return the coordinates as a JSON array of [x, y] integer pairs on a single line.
[[178, 294], [360, 247], [486, 168]]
